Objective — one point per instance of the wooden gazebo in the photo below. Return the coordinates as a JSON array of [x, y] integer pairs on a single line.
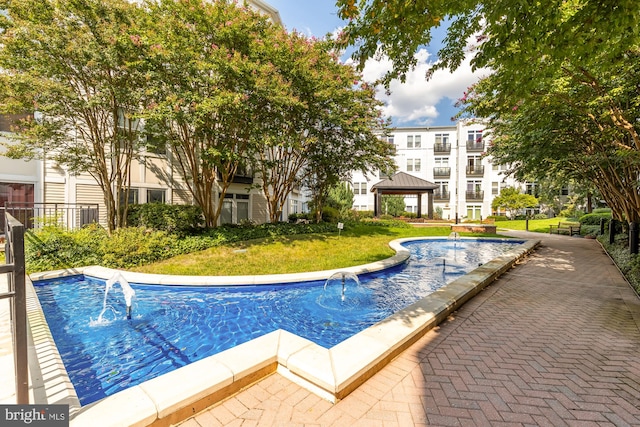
[[405, 184]]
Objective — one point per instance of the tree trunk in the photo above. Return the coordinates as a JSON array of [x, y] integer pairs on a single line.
[[633, 237]]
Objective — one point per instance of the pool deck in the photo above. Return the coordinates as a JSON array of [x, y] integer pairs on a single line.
[[532, 348]]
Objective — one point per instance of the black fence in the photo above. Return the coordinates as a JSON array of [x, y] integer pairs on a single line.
[[14, 267], [67, 215]]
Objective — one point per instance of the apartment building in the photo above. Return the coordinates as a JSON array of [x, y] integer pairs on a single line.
[[452, 158]]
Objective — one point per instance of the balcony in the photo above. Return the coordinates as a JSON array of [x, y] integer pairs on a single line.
[[441, 148], [474, 196], [475, 146], [242, 176], [442, 172], [441, 195], [475, 170]]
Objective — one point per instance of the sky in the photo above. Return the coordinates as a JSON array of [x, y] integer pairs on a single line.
[[417, 102]]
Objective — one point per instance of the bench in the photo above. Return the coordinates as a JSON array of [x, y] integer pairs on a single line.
[[570, 228]]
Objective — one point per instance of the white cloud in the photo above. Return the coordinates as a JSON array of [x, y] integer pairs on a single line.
[[415, 101]]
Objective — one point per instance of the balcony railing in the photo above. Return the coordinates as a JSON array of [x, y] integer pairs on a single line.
[[442, 148], [442, 172], [67, 215], [440, 195], [475, 170], [475, 146], [474, 196]]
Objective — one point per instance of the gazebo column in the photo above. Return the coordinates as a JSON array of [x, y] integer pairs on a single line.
[[430, 204], [376, 203], [419, 205]]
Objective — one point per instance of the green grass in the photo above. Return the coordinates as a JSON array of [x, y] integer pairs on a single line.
[[535, 225], [293, 254]]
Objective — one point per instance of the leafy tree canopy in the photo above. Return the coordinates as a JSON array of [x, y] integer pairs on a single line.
[[503, 35], [513, 201]]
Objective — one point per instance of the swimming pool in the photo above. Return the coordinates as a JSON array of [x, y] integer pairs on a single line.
[[174, 326]]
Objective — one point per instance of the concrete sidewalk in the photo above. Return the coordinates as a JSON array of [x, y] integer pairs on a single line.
[[555, 341]]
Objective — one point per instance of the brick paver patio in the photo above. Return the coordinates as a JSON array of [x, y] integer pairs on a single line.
[[554, 342]]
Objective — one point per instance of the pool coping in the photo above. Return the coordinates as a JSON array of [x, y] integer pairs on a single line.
[[331, 373]]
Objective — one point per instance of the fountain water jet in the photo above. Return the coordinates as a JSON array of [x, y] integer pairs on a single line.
[[128, 292], [342, 291]]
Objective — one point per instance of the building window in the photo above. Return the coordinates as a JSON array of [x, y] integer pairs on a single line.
[[441, 161], [495, 188], [474, 186], [235, 208], [293, 206], [391, 139], [155, 145], [442, 138], [531, 189], [564, 191], [474, 161], [359, 188], [474, 136], [443, 186], [156, 196], [131, 196], [474, 212], [414, 141], [413, 165]]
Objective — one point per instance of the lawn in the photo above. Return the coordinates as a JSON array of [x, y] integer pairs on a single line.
[[293, 254], [535, 225]]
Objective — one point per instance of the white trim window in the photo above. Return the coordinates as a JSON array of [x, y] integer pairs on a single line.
[[413, 165], [235, 208], [414, 141], [359, 188]]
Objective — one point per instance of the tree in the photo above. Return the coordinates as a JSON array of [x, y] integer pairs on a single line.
[[511, 36], [341, 198], [392, 204], [75, 64], [332, 126], [212, 87], [513, 201], [581, 127]]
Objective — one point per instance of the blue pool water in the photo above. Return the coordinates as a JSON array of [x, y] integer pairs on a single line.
[[175, 325]]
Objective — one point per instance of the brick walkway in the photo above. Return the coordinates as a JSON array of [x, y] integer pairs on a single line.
[[554, 342]]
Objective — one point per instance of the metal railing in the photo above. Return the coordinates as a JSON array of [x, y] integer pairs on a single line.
[[475, 146], [475, 170], [441, 195], [474, 195], [15, 268], [441, 172], [66, 215], [442, 147]]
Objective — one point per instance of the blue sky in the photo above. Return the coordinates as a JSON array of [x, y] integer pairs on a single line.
[[418, 102]]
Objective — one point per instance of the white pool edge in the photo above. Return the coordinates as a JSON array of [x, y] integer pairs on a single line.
[[330, 373]]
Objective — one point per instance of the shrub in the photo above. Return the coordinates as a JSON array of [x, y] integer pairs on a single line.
[[590, 230], [498, 218], [594, 218], [128, 247], [365, 214], [601, 210], [330, 214], [540, 216], [628, 264], [179, 219], [410, 215], [53, 248]]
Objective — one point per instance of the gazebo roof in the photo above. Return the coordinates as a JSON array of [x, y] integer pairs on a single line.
[[403, 183]]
